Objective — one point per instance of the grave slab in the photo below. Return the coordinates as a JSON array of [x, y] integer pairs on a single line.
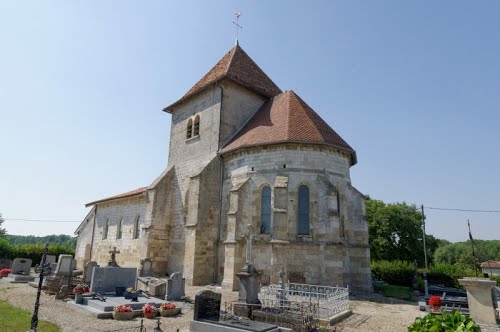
[[106, 279], [21, 266], [175, 287]]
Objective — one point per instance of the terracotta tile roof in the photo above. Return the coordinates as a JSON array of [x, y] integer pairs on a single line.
[[238, 67], [124, 195], [286, 118], [491, 264]]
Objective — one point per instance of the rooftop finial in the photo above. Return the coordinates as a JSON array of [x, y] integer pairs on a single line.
[[238, 26]]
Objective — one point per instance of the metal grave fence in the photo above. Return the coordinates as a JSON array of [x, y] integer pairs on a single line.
[[329, 300]]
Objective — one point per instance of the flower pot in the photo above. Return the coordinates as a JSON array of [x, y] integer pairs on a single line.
[[78, 298], [150, 314], [123, 315], [435, 309], [170, 312]]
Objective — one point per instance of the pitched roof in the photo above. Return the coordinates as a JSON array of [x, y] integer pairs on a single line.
[[238, 67], [286, 118], [135, 192]]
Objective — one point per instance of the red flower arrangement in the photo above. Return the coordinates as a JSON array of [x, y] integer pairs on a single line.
[[122, 308], [435, 301], [5, 272], [81, 289], [168, 306], [149, 310]]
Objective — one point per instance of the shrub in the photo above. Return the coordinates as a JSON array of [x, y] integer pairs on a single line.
[[31, 251], [395, 272], [448, 274], [452, 321]]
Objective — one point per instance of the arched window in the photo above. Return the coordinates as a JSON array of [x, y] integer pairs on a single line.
[[105, 229], [119, 229], [303, 213], [196, 127], [189, 130], [265, 210], [137, 230]]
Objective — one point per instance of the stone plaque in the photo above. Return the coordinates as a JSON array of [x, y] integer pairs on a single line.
[[21, 266], [175, 287], [5, 263], [65, 265], [106, 279], [207, 306]]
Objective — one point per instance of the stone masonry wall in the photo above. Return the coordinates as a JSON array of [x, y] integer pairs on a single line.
[[131, 250], [83, 244], [317, 258]]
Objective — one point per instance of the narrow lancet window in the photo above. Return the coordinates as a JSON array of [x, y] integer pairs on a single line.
[[196, 127], [189, 130], [119, 229], [303, 211], [137, 230], [265, 210], [105, 230]]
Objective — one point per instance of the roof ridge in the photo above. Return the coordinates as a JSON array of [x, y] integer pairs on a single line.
[[230, 62]]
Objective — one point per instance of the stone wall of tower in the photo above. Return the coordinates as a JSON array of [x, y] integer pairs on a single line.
[[193, 198], [338, 239], [83, 244]]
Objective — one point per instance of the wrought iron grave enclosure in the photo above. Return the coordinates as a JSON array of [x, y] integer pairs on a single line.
[[329, 300]]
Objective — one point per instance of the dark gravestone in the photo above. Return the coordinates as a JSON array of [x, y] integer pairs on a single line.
[[207, 306], [120, 291]]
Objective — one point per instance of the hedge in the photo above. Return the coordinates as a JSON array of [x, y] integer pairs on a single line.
[[393, 272], [31, 251]]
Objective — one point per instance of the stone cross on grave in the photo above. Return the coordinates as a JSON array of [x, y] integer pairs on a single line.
[[113, 253], [282, 277], [250, 238]]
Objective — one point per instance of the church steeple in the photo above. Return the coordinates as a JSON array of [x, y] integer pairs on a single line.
[[238, 67]]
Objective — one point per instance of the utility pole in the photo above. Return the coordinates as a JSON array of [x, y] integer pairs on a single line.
[[423, 230], [472, 245]]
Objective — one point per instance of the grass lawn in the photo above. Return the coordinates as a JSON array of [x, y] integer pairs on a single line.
[[15, 319], [400, 292]]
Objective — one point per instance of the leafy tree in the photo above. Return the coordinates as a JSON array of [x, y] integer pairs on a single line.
[[460, 253], [395, 232], [2, 230], [61, 239]]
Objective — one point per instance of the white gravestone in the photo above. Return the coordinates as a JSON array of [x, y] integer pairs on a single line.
[[21, 266], [50, 259], [175, 287]]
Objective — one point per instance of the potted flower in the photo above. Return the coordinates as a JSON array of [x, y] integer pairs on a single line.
[[79, 290], [169, 309], [149, 311], [435, 304], [123, 312], [5, 272]]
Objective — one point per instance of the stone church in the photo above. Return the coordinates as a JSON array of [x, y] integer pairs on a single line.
[[241, 152]]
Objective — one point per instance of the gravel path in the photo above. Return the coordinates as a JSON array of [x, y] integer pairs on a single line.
[[370, 313]]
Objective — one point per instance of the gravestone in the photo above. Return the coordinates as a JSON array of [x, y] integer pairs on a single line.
[[106, 279], [49, 259], [207, 306], [5, 263], [153, 286], [175, 287], [146, 266], [112, 262], [65, 265], [21, 266], [87, 272]]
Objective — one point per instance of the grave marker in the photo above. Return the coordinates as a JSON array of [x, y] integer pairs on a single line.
[[106, 279], [207, 306], [175, 287], [21, 266]]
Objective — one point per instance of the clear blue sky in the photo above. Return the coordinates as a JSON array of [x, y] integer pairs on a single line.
[[413, 86]]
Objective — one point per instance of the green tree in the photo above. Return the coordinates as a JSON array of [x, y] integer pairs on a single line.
[[460, 253], [3, 232], [395, 232]]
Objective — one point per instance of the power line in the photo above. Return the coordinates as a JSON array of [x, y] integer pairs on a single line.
[[462, 210], [39, 220]]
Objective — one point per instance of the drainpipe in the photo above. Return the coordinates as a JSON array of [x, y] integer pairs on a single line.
[[221, 182]]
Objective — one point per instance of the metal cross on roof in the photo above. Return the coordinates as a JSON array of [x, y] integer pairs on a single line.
[[237, 23]]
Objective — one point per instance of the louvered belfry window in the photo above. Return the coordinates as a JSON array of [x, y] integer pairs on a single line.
[[265, 210], [303, 211], [196, 127]]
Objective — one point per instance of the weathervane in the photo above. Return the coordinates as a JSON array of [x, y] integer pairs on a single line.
[[238, 26]]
